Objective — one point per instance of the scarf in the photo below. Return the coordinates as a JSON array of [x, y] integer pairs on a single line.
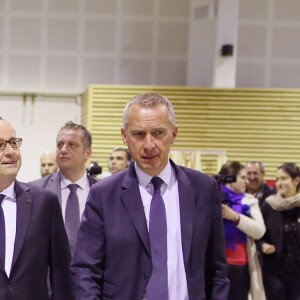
[[233, 235], [281, 204]]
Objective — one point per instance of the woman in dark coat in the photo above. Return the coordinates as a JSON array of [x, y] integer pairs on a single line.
[[280, 246]]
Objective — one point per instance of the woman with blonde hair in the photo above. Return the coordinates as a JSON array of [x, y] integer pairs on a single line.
[[280, 246], [243, 223]]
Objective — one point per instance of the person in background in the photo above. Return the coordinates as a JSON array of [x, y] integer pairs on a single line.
[[243, 224], [153, 231], [71, 183], [33, 239], [255, 184], [280, 246], [119, 160], [48, 163]]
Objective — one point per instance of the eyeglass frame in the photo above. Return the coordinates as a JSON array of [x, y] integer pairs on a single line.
[[18, 142]]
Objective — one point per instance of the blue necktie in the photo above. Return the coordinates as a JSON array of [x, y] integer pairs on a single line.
[[157, 288], [72, 216], [2, 231]]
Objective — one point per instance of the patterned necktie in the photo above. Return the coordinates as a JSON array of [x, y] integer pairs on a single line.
[[157, 288], [72, 217], [2, 231]]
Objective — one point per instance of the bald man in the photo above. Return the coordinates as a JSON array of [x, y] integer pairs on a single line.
[[48, 163]]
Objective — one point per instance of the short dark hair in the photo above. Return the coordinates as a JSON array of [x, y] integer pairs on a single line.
[[128, 156], [231, 168], [86, 136]]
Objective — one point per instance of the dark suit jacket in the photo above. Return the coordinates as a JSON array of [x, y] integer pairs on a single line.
[[266, 192], [51, 183], [112, 259], [41, 243]]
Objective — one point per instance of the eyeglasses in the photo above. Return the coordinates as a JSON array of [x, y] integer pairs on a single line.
[[14, 143]]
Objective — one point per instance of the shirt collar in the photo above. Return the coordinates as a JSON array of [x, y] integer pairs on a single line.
[[81, 182], [144, 178], [10, 192]]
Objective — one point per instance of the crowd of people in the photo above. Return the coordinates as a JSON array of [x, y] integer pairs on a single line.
[[149, 229]]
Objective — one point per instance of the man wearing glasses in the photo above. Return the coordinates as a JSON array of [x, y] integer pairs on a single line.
[[33, 239]]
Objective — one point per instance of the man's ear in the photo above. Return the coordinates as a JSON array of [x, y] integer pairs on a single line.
[[88, 153], [123, 134], [174, 134]]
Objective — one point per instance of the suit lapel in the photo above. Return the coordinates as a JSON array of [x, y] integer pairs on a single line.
[[187, 198], [24, 205], [132, 200], [53, 185]]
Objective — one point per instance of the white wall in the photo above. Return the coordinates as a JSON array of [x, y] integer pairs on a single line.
[[37, 124], [62, 46], [269, 44]]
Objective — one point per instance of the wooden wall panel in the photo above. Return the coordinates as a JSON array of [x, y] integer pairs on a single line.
[[249, 124]]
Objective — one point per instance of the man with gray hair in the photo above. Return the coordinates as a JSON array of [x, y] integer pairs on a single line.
[[153, 231]]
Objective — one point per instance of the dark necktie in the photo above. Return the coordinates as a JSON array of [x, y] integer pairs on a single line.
[[157, 288], [2, 231], [72, 216]]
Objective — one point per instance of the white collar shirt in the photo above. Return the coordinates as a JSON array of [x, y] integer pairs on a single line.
[[177, 284], [9, 206]]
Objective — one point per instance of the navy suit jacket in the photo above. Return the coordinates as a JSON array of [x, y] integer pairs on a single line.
[[41, 243], [112, 259]]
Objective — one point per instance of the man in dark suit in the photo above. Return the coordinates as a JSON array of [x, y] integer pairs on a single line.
[[33, 239], [119, 254], [73, 149]]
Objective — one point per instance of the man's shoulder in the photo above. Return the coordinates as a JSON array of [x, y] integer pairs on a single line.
[[92, 180], [117, 181], [42, 182], [30, 190], [192, 172]]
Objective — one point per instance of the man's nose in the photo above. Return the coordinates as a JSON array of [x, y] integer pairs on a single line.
[[63, 147], [8, 148], [149, 142]]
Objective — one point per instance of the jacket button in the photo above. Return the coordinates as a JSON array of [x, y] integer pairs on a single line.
[[145, 275], [10, 288]]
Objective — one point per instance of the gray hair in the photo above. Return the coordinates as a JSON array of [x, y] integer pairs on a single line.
[[149, 100]]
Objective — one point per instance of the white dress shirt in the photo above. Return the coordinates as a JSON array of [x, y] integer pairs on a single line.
[[9, 206], [177, 284], [82, 192]]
